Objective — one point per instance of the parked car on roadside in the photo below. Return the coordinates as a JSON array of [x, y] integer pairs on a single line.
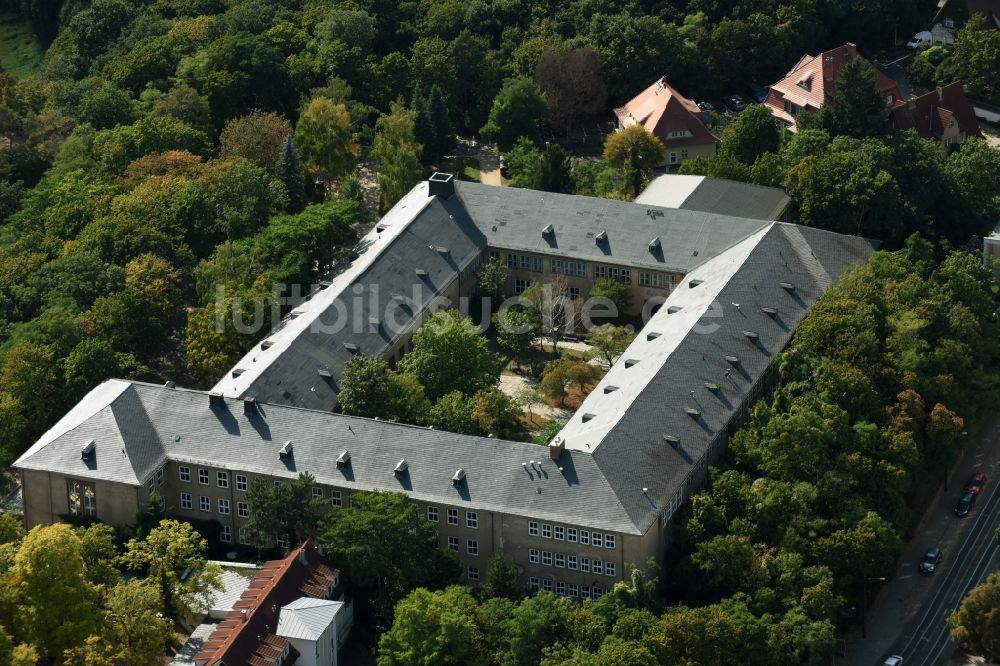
[[919, 40], [965, 504], [975, 483], [707, 107], [894, 660], [931, 559], [735, 103]]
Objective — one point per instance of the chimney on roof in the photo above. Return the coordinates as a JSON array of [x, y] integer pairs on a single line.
[[286, 450], [302, 557], [556, 447], [940, 94], [441, 185], [87, 449], [249, 404], [215, 399]]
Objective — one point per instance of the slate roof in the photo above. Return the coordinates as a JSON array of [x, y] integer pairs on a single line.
[[814, 78], [307, 618], [930, 113], [512, 218], [716, 195], [662, 110]]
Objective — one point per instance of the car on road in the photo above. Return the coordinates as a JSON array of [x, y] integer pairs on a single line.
[[931, 559], [707, 107], [894, 660], [735, 103], [757, 93], [975, 483], [920, 39], [965, 504]]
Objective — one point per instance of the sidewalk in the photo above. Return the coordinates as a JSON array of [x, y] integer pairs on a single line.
[[903, 596]]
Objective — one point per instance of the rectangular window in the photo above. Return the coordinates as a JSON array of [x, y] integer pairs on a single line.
[[186, 501], [584, 537], [574, 293], [556, 265], [536, 264], [573, 590], [184, 473], [242, 509], [597, 593], [473, 573], [317, 491], [241, 482], [644, 279], [684, 153], [571, 562], [597, 539], [520, 286], [568, 268], [282, 542], [597, 566], [205, 503], [560, 560], [159, 477], [226, 534], [533, 555], [559, 532], [222, 479], [560, 587], [546, 531], [609, 540], [532, 528], [471, 520], [494, 255], [453, 543], [432, 514], [658, 280], [609, 568], [547, 584], [224, 507], [581, 269], [584, 565], [152, 485], [511, 260], [571, 534], [533, 584], [472, 546], [203, 477], [673, 157], [524, 261], [335, 498], [453, 516], [244, 536], [546, 558], [584, 591], [600, 272]]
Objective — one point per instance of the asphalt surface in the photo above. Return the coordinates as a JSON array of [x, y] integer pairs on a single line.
[[908, 616]]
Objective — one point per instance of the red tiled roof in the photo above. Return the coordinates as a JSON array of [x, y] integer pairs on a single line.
[[246, 633], [814, 78], [930, 114], [662, 110]]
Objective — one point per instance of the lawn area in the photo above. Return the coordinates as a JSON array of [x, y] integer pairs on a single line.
[[20, 52], [464, 168]]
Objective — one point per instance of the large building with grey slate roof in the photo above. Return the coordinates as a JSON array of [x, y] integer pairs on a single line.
[[572, 516]]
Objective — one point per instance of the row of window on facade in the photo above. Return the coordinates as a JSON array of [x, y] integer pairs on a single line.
[[565, 589], [579, 269], [471, 517], [571, 562], [571, 534]]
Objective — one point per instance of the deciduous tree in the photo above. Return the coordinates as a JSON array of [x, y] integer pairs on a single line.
[[516, 110], [285, 510], [324, 138], [633, 152], [398, 154]]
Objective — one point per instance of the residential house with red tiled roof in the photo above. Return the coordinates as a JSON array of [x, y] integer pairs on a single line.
[[290, 615], [673, 119], [812, 80], [943, 114]]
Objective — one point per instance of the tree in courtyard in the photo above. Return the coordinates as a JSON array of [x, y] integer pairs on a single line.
[[259, 137], [287, 509], [171, 551], [615, 291], [492, 280], [293, 176], [453, 413], [324, 139], [365, 386], [450, 354], [398, 154], [538, 621], [432, 628], [516, 329], [495, 413], [633, 152], [386, 547], [57, 600], [516, 111], [609, 341], [502, 579], [856, 108], [563, 373]]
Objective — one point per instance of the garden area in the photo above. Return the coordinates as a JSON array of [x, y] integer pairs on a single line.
[[20, 52]]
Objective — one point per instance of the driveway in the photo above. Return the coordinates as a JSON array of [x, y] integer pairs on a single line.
[[908, 616]]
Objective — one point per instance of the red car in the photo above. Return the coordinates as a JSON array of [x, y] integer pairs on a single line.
[[975, 483]]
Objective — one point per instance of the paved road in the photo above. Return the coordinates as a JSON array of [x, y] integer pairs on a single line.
[[908, 616]]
